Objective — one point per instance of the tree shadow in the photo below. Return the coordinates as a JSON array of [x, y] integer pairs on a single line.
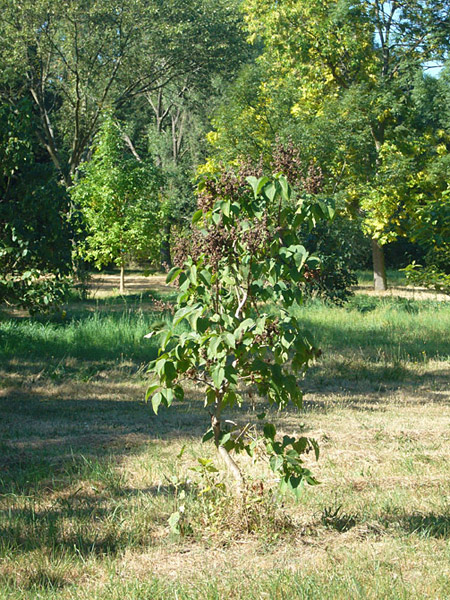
[[427, 525]]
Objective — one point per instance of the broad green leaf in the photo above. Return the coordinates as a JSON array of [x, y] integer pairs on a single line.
[[174, 521], [151, 390], [197, 216], [229, 339], [218, 375], [156, 401], [276, 462], [208, 435], [269, 431], [173, 274]]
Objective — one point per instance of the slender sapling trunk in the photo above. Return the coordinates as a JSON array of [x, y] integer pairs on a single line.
[[122, 279], [230, 464]]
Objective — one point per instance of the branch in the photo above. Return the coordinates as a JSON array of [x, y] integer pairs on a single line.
[[130, 145]]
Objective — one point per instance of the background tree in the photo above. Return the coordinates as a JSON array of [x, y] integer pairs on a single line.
[[171, 119], [119, 202], [35, 249], [76, 58], [354, 64]]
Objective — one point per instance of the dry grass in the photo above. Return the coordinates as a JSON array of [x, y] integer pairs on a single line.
[[89, 476]]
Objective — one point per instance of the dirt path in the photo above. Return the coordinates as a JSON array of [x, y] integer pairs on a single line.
[[104, 285]]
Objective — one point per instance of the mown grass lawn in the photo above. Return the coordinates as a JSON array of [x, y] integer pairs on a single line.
[[89, 475]]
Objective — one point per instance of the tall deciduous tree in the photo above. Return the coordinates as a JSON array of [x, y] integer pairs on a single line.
[[361, 58], [35, 250], [119, 200], [76, 57], [173, 115]]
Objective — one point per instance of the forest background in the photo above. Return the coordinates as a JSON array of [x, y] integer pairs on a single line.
[[110, 112]]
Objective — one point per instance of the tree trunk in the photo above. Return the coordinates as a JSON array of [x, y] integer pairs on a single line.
[[379, 269], [166, 260], [122, 279], [231, 466]]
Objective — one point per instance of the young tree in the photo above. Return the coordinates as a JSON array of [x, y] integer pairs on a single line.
[[239, 285], [119, 202]]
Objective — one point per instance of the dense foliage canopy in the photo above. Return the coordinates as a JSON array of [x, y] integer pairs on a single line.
[[359, 89]]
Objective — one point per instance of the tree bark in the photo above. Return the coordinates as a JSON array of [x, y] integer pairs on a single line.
[[379, 270], [166, 259], [122, 279], [231, 466]]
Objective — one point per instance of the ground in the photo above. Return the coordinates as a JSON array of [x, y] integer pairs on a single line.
[[89, 475]]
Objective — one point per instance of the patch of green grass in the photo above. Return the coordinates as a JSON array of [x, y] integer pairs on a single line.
[[97, 336], [374, 329], [380, 329]]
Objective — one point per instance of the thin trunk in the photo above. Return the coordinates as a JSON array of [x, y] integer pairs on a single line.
[[379, 270], [166, 259], [122, 279], [223, 452]]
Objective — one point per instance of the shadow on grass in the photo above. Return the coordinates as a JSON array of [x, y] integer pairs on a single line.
[[427, 525], [56, 439], [430, 525]]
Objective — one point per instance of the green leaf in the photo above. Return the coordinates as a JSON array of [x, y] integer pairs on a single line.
[[167, 396], [276, 462], [173, 521], [271, 191], [214, 343], [285, 188], [205, 277], [173, 274], [225, 207], [218, 375], [313, 262], [225, 438], [269, 431], [197, 216], [257, 184], [229, 339], [192, 274], [210, 396], [159, 366], [151, 390], [156, 401], [170, 371], [179, 392], [208, 435]]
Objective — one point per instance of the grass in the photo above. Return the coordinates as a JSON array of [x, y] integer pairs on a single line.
[[89, 476]]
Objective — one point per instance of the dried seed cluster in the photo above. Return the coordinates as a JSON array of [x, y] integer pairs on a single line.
[[270, 332], [286, 159]]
